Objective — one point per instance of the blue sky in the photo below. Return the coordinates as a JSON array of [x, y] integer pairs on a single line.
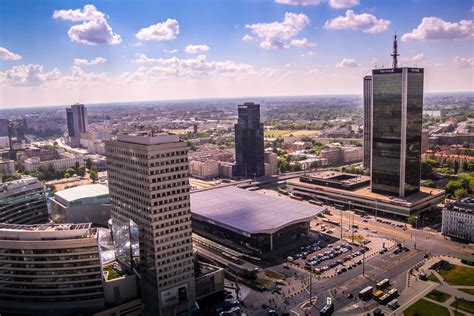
[[321, 47]]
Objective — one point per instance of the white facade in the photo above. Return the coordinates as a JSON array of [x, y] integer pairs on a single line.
[[33, 163], [204, 169], [458, 222], [271, 163], [353, 154]]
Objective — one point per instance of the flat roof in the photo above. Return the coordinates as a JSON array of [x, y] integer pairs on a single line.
[[248, 212], [45, 227], [149, 138], [83, 192]]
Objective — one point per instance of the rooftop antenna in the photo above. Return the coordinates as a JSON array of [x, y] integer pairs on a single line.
[[395, 53]]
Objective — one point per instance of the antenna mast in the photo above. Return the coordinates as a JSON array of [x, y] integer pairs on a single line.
[[395, 53]]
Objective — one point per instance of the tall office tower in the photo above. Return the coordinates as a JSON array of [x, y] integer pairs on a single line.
[[397, 112], [249, 148], [50, 269], [151, 218], [76, 118], [367, 119], [23, 201]]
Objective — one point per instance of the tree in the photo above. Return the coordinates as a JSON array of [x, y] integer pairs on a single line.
[[460, 193], [465, 166], [67, 175], [465, 144], [70, 171], [430, 184], [89, 163], [77, 165], [82, 171], [93, 176], [412, 220], [456, 166]]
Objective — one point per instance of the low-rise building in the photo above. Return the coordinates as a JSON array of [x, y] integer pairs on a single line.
[[226, 169], [204, 169], [458, 220], [271, 163], [67, 160], [353, 154], [82, 204], [23, 201], [7, 167], [334, 156]]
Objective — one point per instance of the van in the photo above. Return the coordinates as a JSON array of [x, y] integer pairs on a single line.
[[290, 259]]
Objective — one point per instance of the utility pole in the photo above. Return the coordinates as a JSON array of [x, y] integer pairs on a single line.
[[341, 224], [363, 264]]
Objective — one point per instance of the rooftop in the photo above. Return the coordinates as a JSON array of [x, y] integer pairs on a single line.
[[82, 192], [150, 138], [45, 227], [248, 212], [20, 183]]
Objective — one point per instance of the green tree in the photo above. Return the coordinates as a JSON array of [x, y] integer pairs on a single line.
[[411, 220], [465, 144], [465, 166], [93, 176], [67, 175], [89, 163], [82, 171], [71, 171], [430, 184], [77, 165], [460, 193]]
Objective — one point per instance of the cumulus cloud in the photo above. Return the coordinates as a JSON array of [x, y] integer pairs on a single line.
[[434, 28], [5, 54], [94, 29], [304, 42], [343, 4], [164, 31], [299, 2], [29, 75], [196, 49], [309, 54], [170, 51], [85, 62], [197, 66], [464, 62], [367, 22], [279, 34], [412, 61], [347, 62], [247, 37]]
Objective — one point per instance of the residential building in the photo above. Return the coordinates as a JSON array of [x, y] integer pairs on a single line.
[[149, 195], [458, 220], [397, 107], [367, 119], [23, 201], [50, 269], [353, 154], [271, 163], [204, 169], [334, 156], [249, 147], [67, 160]]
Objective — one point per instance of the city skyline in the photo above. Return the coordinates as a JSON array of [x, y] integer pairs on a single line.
[[266, 48]]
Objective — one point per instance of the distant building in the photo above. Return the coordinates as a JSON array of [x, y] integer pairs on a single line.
[[77, 123], [367, 119], [204, 169], [50, 269], [397, 107], [334, 156], [23, 201], [271, 163], [66, 160], [458, 220], [452, 139], [151, 218], [249, 147], [425, 141], [7, 167], [82, 204], [353, 154], [226, 169]]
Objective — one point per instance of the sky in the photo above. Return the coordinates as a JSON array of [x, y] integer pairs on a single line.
[[63, 52]]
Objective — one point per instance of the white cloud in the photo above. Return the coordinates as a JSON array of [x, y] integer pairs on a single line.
[[365, 21], [279, 34], [434, 28], [309, 54], [164, 31], [195, 49], [343, 4], [299, 2], [304, 42], [29, 75], [413, 61], [197, 66], [5, 54], [247, 37], [94, 29], [347, 62], [170, 51], [85, 62], [464, 62]]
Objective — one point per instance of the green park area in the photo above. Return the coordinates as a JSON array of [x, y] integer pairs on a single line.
[[438, 296], [425, 308], [458, 275], [464, 305]]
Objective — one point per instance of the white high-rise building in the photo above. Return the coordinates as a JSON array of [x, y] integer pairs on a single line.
[[151, 218]]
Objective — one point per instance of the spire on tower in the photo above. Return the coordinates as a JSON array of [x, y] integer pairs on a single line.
[[395, 53]]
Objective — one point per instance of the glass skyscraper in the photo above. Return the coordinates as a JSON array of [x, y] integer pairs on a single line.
[[397, 110], [249, 148], [367, 119]]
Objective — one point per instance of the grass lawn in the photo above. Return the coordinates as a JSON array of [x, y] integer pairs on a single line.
[[273, 274], [438, 296], [433, 278], [464, 305], [425, 308], [178, 131], [264, 282], [468, 291], [458, 275]]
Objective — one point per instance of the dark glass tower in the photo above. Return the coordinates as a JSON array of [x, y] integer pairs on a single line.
[[249, 148], [397, 110], [367, 119]]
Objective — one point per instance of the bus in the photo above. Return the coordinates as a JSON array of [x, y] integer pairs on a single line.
[[383, 284], [388, 296], [366, 293]]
